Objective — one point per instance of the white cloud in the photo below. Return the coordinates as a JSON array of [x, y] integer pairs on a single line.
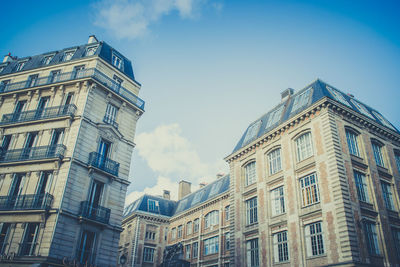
[[173, 158], [131, 18]]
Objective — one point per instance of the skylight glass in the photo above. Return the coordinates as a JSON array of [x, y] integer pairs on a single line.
[[338, 96], [361, 108], [274, 117], [301, 100], [252, 131], [383, 120], [181, 205], [197, 197], [215, 188]]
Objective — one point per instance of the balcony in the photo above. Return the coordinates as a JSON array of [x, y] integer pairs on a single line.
[[39, 114], [33, 153], [111, 121], [26, 202], [103, 163], [95, 213], [74, 75]]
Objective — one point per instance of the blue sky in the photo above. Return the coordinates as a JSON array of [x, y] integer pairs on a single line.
[[209, 68]]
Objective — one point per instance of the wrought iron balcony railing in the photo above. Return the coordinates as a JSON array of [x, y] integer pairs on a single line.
[[94, 212], [39, 114], [103, 163], [110, 120], [27, 249], [33, 153], [26, 202], [69, 76], [86, 257]]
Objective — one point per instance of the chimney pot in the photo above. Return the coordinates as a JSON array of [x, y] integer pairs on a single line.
[[184, 189], [202, 184], [8, 58], [92, 39], [167, 194], [220, 175]]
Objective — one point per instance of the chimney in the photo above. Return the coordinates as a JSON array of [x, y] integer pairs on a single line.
[[92, 39], [167, 194], [8, 58], [220, 175], [184, 189], [202, 184], [286, 93]]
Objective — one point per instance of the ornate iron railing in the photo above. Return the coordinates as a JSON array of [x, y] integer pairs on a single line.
[[33, 153], [103, 163], [26, 202], [39, 114], [95, 212], [69, 76], [110, 120]]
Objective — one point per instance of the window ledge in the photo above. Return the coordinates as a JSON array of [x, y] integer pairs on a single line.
[[305, 164], [316, 256], [281, 262], [384, 172], [358, 162]]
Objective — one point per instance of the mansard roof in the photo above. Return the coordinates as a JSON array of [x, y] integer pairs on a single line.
[[300, 101], [171, 208], [104, 51]]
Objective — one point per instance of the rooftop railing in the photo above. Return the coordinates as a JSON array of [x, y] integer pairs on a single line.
[[39, 114], [73, 75], [103, 163], [95, 213], [26, 202], [33, 153]]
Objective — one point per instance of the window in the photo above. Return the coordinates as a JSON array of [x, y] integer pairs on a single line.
[[304, 147], [4, 232], [227, 241], [215, 188], [118, 82], [68, 55], [5, 144], [116, 61], [250, 173], [371, 237], [387, 195], [32, 80], [28, 245], [338, 96], [197, 197], [111, 114], [189, 228], [187, 251], [150, 235], [301, 100], [281, 250], [274, 117], [352, 142], [47, 59], [180, 227], [396, 238], [54, 76], [20, 66], [314, 239], [362, 187], [148, 254], [383, 120], [153, 205], [252, 252], [211, 246], [173, 233], [1, 69], [251, 211], [309, 190], [278, 201], [90, 50], [211, 219], [377, 149], [3, 85], [361, 108], [274, 160], [252, 131], [78, 72], [195, 225], [195, 250], [397, 157], [227, 212]]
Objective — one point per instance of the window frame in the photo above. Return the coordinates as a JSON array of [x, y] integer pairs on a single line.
[[180, 231], [189, 228], [114, 62], [274, 161], [195, 250], [252, 253], [314, 241], [250, 173], [371, 237], [387, 194], [211, 245], [196, 225], [148, 251], [211, 219], [309, 196], [251, 211], [378, 152], [352, 138], [362, 187], [71, 52], [304, 150], [281, 246], [278, 206]]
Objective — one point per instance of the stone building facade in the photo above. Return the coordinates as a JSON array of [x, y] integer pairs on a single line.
[[67, 128], [315, 182]]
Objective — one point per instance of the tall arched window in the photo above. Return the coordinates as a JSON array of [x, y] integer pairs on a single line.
[[304, 146], [352, 142], [212, 218], [250, 173], [274, 161]]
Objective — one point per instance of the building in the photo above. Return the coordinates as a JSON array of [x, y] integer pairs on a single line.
[[68, 121], [198, 221], [314, 182]]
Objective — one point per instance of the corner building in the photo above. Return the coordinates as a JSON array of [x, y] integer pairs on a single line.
[[68, 121], [314, 182]]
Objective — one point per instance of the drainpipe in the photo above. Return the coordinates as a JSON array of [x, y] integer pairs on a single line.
[[136, 240], [199, 239]]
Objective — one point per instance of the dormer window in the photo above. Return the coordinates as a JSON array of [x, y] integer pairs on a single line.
[[338, 96], [47, 59], [68, 55], [383, 120], [154, 206], [361, 108], [90, 51], [116, 61], [20, 66]]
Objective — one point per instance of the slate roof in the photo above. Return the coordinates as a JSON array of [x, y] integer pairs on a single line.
[[104, 51], [171, 208], [318, 90]]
